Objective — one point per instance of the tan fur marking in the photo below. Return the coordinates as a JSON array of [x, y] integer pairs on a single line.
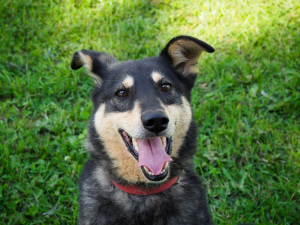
[[87, 63], [188, 52], [107, 127], [156, 76], [181, 116], [193, 69], [128, 82]]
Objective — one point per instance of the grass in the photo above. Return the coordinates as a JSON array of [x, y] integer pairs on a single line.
[[246, 100]]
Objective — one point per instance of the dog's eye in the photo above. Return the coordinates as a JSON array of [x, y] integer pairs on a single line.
[[122, 94], [165, 87]]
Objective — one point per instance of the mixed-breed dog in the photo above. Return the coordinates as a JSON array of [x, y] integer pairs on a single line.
[[142, 138]]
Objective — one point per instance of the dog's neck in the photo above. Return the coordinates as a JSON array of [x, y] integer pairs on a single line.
[[135, 190]]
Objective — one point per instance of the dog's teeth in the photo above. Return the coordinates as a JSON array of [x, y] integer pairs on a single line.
[[146, 168], [135, 144], [148, 171], [164, 142], [163, 171], [166, 165]]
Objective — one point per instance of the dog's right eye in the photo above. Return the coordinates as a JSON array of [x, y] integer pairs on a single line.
[[122, 94], [165, 87]]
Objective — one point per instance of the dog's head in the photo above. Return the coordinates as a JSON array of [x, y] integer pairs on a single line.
[[142, 113]]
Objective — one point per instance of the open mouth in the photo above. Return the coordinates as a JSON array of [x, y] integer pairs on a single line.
[[152, 154]]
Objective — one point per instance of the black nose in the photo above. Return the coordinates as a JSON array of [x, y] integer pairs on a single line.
[[155, 121]]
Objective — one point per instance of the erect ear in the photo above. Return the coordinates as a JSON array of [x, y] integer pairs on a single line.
[[184, 52], [95, 62]]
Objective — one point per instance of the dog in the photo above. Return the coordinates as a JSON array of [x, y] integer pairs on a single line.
[[142, 138]]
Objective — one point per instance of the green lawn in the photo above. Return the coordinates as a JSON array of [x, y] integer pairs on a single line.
[[246, 100]]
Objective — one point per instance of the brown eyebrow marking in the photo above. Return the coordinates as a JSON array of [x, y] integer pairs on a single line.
[[128, 82], [156, 76]]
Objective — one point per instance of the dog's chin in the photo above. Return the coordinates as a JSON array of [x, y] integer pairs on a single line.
[[157, 175]]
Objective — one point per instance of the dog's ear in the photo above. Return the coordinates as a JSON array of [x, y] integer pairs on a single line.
[[184, 52], [95, 62]]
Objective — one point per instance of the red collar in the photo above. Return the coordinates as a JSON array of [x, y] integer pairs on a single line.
[[131, 189]]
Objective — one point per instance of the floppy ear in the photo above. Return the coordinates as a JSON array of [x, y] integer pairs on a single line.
[[184, 52], [95, 62]]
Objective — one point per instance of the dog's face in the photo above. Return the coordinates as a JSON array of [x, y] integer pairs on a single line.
[[141, 108]]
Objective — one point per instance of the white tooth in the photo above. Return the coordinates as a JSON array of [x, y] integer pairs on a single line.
[[135, 144], [164, 142], [166, 165], [163, 171], [147, 170]]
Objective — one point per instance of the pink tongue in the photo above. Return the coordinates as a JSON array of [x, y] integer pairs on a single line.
[[152, 154]]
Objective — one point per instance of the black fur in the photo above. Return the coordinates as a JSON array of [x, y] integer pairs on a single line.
[[103, 203]]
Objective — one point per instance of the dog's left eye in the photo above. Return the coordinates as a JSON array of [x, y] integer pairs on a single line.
[[165, 87], [122, 94]]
